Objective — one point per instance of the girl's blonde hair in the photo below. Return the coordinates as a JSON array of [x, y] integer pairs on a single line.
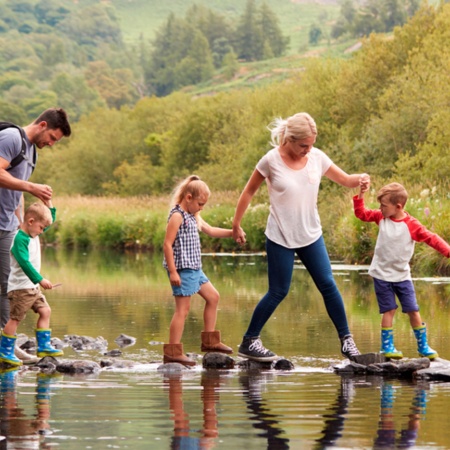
[[191, 185], [298, 127], [396, 194]]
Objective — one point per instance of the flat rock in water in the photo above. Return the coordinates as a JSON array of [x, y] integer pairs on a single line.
[[439, 370], [172, 368], [216, 360]]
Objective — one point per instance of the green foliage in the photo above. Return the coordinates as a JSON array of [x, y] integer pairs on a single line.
[[186, 51], [373, 16]]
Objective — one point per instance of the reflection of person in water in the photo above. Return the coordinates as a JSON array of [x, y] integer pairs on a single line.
[[262, 418], [183, 436], [335, 418], [386, 434], [18, 430]]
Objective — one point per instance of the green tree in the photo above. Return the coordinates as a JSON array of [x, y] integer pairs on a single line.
[[249, 39], [315, 34]]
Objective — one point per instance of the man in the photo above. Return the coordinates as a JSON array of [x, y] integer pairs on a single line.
[[50, 127]]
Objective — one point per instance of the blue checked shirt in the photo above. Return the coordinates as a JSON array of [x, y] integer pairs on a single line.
[[186, 247]]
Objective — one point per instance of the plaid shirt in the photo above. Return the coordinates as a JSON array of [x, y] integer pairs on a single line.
[[186, 247]]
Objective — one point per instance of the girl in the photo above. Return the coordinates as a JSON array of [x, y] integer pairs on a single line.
[[182, 260]]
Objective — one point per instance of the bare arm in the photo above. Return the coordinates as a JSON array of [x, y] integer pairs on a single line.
[[7, 181], [247, 194], [171, 233], [214, 232], [336, 174]]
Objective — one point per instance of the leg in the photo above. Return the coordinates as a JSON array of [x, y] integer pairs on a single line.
[[209, 293], [210, 336], [280, 264], [387, 319], [415, 319], [6, 240], [11, 327], [44, 317], [317, 262], [182, 306]]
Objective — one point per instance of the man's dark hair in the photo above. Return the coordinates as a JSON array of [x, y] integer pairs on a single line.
[[56, 118]]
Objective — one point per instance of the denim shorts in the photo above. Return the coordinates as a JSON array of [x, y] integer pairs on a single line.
[[191, 282], [386, 292]]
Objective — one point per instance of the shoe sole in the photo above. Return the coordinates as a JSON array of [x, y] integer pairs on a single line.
[[258, 358], [12, 363]]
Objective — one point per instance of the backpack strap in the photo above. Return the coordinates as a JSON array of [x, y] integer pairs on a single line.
[[23, 152]]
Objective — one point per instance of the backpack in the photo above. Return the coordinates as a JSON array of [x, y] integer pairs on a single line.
[[22, 155]]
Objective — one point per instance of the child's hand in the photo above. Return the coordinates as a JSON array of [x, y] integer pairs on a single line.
[[364, 184], [48, 203], [239, 236], [46, 284], [175, 279]]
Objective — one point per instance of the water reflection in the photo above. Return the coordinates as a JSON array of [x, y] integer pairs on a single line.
[[335, 418], [262, 418], [183, 436], [387, 436], [17, 428]]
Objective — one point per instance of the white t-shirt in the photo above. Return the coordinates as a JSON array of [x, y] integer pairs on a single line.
[[294, 219]]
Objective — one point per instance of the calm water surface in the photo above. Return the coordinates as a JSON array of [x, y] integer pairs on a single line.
[[106, 294]]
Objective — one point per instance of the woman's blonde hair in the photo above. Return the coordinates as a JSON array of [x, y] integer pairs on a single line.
[[395, 192], [298, 127], [191, 185]]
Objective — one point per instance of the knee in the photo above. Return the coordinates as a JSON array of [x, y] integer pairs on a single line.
[[45, 312], [213, 300]]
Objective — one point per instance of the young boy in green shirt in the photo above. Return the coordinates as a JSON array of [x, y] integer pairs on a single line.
[[24, 284]]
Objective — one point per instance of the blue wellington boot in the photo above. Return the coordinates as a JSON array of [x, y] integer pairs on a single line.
[[422, 344], [7, 345], [44, 347], [387, 344]]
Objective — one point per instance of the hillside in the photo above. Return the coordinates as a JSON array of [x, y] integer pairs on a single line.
[[141, 18]]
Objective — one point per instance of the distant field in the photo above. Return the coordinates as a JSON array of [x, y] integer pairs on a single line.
[[141, 18]]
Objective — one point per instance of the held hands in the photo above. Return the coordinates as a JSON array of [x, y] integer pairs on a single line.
[[239, 235], [41, 191], [364, 184]]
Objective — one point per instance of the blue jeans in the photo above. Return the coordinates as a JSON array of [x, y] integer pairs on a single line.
[[280, 262]]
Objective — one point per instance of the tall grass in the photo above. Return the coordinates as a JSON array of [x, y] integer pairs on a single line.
[[140, 222]]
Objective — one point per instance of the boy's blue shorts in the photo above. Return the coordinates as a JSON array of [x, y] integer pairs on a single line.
[[386, 292], [191, 282]]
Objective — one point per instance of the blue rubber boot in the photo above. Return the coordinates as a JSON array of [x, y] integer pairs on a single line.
[[7, 355], [422, 344], [44, 347], [387, 344]]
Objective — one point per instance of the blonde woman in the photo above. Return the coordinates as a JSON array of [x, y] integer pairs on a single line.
[[293, 170]]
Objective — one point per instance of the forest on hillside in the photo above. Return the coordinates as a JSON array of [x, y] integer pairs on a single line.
[[72, 54]]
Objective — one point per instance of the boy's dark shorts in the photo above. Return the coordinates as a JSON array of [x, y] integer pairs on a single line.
[[386, 292], [23, 300]]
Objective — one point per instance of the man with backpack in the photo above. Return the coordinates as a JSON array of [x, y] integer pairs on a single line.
[[17, 161]]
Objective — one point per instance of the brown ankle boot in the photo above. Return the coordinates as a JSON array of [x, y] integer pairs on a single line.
[[211, 343], [173, 353]]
